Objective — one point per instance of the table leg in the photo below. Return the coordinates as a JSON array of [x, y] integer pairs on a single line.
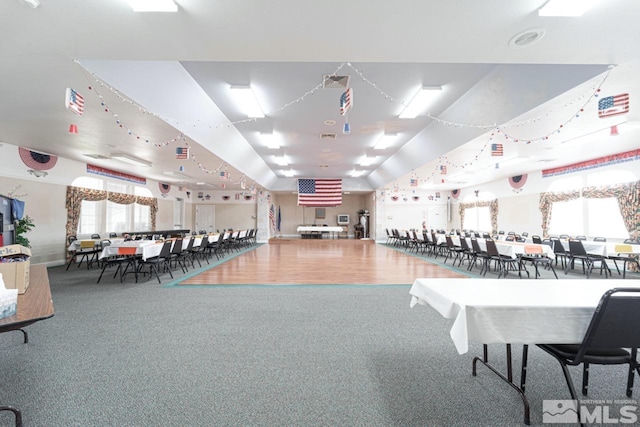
[[509, 378]]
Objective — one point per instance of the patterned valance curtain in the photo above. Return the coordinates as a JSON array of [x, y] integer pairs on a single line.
[[628, 196], [493, 208], [75, 196]]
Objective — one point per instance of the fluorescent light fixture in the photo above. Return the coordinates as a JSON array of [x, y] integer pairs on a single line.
[[32, 3], [37, 173], [281, 160], [355, 173], [367, 161], [153, 5], [288, 173], [565, 7], [131, 160], [247, 101], [385, 140], [270, 140], [420, 101]]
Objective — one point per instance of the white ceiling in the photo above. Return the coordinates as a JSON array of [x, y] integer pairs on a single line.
[[155, 77]]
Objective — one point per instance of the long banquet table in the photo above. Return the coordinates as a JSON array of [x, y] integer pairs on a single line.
[[319, 229], [511, 311], [510, 249]]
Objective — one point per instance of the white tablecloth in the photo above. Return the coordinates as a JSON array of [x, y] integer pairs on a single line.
[[145, 248], [309, 228], [512, 310]]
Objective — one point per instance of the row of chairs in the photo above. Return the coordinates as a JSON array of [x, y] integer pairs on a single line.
[[173, 254]]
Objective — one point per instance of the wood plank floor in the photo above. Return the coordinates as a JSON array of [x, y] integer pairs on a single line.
[[324, 261]]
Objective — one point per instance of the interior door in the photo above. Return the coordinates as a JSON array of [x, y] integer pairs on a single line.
[[205, 218], [437, 217]]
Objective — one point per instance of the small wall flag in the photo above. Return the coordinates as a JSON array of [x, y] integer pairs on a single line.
[[182, 153], [74, 101], [497, 150], [346, 102]]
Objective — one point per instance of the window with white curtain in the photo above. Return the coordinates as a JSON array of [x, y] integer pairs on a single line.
[[477, 219], [90, 217], [589, 217], [105, 217]]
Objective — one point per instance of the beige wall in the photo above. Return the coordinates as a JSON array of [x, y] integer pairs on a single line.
[[231, 215], [294, 215]]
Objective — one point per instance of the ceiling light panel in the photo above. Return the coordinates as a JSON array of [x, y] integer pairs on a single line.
[[420, 101], [566, 7], [385, 141], [153, 5], [126, 158], [246, 100]]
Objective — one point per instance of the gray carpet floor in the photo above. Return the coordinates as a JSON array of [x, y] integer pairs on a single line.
[[144, 354]]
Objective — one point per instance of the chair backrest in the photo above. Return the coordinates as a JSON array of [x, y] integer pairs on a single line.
[[449, 242], [492, 249], [72, 239], [177, 246], [511, 232], [501, 232], [631, 242], [521, 239], [510, 238], [581, 237], [190, 243], [576, 247], [536, 239], [105, 242], [525, 234], [166, 249], [614, 321], [87, 244], [486, 235], [112, 235], [95, 236], [565, 236], [475, 245], [599, 239], [558, 247], [464, 245]]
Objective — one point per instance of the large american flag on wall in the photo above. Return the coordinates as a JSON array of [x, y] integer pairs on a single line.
[[319, 192]]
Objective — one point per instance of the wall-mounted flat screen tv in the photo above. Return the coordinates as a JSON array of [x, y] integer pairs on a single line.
[[343, 219]]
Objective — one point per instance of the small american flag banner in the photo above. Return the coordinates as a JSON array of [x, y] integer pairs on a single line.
[[320, 192], [182, 153], [272, 217], [497, 150], [443, 170], [413, 182], [224, 175], [346, 102], [613, 105], [74, 101]]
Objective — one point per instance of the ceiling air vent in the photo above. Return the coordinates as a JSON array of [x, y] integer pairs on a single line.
[[323, 166], [328, 136], [335, 82]]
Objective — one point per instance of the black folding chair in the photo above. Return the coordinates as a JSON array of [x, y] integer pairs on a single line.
[[612, 338]]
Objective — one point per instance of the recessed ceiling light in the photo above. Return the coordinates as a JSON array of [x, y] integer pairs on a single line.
[[329, 122], [385, 140], [526, 38]]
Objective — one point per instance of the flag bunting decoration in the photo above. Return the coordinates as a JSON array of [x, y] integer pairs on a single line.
[[74, 102], [613, 105], [497, 150], [346, 102], [413, 182], [224, 175], [182, 153], [320, 192], [37, 161], [443, 170]]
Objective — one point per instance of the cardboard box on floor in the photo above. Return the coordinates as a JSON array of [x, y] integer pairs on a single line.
[[14, 266]]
